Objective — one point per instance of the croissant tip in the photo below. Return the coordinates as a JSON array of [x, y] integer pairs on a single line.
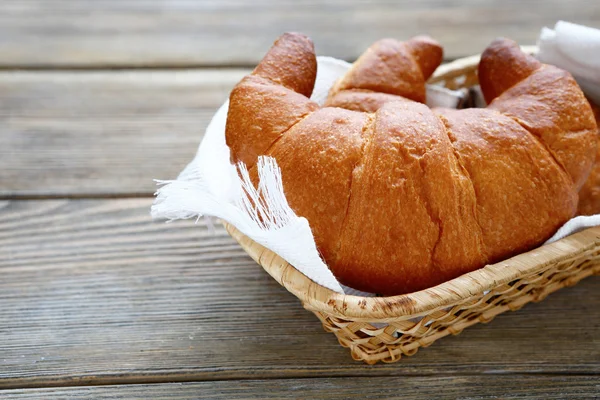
[[501, 42], [424, 39], [502, 65], [296, 37], [299, 34]]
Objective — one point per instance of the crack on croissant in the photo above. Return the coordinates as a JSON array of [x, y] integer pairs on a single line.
[[424, 196], [542, 143], [465, 173], [300, 119], [367, 134]]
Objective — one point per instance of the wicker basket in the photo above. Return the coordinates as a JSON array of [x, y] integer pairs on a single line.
[[384, 328]]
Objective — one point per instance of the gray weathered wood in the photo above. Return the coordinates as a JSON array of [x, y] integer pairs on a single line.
[[94, 292], [413, 387], [59, 33], [103, 133]]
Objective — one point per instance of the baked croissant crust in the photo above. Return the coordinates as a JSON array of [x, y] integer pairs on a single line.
[[401, 197], [589, 195]]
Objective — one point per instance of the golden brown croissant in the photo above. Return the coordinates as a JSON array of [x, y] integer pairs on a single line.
[[407, 197], [589, 195]]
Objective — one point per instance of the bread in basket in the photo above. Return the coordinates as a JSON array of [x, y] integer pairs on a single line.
[[401, 197], [544, 124]]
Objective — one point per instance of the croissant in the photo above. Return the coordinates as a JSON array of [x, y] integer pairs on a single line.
[[401, 197], [589, 195]]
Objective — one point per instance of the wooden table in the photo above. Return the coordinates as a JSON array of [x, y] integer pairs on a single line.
[[98, 301]]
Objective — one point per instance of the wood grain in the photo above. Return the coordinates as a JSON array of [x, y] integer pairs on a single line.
[[73, 33], [103, 133], [433, 387], [94, 292]]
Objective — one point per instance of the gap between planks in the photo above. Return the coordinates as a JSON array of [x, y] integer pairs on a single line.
[[395, 388], [74, 196], [126, 67], [103, 134], [139, 33], [114, 380]]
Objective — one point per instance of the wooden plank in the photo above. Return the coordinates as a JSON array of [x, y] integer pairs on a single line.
[[73, 33], [94, 292], [432, 387], [103, 133]]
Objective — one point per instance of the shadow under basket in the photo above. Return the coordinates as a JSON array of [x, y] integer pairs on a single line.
[[385, 328]]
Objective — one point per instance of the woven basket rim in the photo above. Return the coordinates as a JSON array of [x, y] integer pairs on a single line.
[[460, 65], [382, 309], [322, 299]]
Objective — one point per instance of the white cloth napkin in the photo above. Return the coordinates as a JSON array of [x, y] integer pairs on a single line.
[[210, 186], [575, 48]]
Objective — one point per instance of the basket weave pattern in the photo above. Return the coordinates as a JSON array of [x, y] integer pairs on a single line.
[[404, 337], [385, 328]]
